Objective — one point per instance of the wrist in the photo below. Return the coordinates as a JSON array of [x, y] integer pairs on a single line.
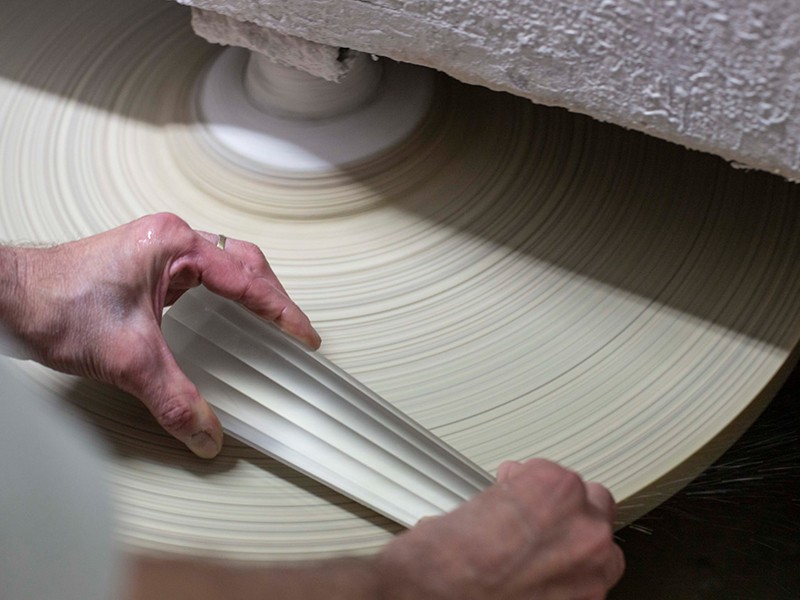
[[9, 272], [336, 579], [11, 286], [404, 572], [343, 579], [23, 315]]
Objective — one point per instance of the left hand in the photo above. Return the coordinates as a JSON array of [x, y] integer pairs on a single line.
[[540, 532], [93, 308]]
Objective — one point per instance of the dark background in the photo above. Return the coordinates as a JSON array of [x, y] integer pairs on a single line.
[[734, 532]]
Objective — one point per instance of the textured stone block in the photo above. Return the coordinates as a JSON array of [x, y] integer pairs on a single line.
[[723, 77]]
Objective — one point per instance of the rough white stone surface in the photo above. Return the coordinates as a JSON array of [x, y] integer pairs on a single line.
[[320, 60], [720, 76]]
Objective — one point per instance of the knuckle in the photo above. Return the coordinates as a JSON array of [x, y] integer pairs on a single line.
[[592, 544], [253, 251], [542, 471], [256, 262], [598, 539], [259, 293], [176, 415], [600, 492], [615, 565], [542, 464], [569, 486], [166, 225], [551, 484], [162, 220]]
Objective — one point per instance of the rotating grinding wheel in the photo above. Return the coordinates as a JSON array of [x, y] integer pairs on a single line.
[[522, 281]]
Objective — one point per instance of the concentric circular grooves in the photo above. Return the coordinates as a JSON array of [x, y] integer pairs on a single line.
[[520, 280]]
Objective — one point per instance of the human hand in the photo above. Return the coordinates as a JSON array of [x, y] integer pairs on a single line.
[[93, 308], [539, 533]]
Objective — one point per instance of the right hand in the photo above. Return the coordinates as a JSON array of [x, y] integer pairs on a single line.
[[539, 533]]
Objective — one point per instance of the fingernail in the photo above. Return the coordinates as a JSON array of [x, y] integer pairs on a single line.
[[203, 445], [316, 340], [310, 339]]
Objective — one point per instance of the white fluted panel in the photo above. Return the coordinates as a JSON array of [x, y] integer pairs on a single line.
[[300, 408]]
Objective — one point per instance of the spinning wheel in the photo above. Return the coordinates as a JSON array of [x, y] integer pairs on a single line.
[[520, 280]]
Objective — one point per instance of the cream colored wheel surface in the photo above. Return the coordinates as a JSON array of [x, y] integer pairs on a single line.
[[522, 281]]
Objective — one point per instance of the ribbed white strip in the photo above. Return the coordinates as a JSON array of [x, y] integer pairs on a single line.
[[300, 408]]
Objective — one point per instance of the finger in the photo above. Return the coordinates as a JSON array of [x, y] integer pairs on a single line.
[[427, 520], [176, 404], [183, 412], [507, 469], [512, 468], [614, 567], [257, 288], [266, 301], [601, 499], [538, 480], [250, 254]]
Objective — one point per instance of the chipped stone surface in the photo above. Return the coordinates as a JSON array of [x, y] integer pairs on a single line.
[[720, 76], [319, 60]]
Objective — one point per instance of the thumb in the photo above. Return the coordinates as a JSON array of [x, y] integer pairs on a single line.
[[507, 469], [178, 407]]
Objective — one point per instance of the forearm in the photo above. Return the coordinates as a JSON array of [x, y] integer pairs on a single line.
[[177, 579]]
